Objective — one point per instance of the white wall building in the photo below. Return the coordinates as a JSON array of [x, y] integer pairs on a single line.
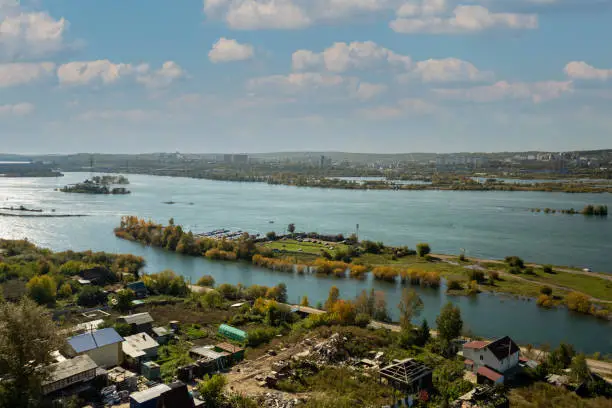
[[498, 356], [102, 346]]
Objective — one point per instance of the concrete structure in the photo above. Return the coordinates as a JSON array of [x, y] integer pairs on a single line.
[[140, 322], [490, 360], [103, 346], [70, 372], [139, 348]]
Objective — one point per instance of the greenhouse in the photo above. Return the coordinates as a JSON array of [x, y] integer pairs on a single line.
[[232, 333]]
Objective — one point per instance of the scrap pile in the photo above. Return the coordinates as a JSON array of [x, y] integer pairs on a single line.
[[329, 351], [278, 400]]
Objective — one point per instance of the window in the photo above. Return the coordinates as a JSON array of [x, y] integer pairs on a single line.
[[481, 358]]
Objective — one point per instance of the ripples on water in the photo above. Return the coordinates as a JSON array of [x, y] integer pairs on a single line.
[[486, 224]]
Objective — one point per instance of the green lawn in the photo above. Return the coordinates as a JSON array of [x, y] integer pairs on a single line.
[[303, 247], [590, 285]]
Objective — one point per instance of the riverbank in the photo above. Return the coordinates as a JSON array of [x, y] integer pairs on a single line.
[[348, 258]]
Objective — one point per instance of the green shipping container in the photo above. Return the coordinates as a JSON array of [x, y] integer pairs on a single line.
[[232, 333]]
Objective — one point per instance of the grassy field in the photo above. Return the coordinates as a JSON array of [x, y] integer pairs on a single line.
[[521, 285]]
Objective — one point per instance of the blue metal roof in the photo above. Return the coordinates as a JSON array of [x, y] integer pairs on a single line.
[[93, 340], [137, 286]]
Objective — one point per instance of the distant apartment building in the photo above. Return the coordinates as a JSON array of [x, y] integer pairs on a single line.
[[236, 158], [325, 162]]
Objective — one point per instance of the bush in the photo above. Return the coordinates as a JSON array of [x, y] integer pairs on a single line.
[[494, 275], [207, 281], [362, 320], [212, 299], [42, 289], [476, 275], [546, 290], [166, 283], [547, 269], [529, 271], [515, 270], [545, 301], [271, 236], [454, 285], [515, 261], [578, 302], [423, 249], [228, 291], [211, 391], [91, 296], [259, 336]]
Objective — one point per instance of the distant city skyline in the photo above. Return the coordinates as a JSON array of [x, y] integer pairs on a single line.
[[258, 76]]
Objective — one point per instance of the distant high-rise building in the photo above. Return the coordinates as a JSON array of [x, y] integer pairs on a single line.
[[227, 158], [240, 159]]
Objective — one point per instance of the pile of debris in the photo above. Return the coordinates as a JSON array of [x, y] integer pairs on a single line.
[[278, 400], [329, 351]]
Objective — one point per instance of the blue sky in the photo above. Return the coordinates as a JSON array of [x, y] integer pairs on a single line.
[[283, 75]]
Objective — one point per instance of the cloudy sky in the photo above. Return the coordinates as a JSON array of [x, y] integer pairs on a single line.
[[282, 75]]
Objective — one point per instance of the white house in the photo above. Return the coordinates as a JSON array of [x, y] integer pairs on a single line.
[[491, 360], [103, 346]]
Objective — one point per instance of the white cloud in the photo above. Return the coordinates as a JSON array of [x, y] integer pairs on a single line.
[[107, 72], [582, 70], [260, 14], [535, 91], [19, 109], [465, 19], [341, 57], [446, 70], [365, 90], [296, 82], [86, 72], [163, 77], [19, 74], [405, 107], [290, 14], [131, 115], [31, 34], [227, 50], [415, 8]]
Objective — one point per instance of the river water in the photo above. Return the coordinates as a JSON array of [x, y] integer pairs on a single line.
[[485, 224]]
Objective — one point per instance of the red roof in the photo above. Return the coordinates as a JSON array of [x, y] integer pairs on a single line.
[[468, 362], [490, 374], [523, 359], [475, 344]]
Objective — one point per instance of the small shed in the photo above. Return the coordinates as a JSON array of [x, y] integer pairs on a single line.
[[232, 333], [148, 398], [103, 346], [150, 370], [161, 334], [236, 353], [177, 397], [140, 322], [409, 376]]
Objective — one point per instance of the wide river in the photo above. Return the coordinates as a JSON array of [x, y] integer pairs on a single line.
[[485, 224]]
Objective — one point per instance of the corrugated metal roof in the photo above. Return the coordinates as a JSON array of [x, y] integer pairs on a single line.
[[68, 368], [149, 394], [93, 340], [138, 318], [490, 374]]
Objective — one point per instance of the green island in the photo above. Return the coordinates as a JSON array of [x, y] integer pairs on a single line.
[[99, 185], [342, 353], [588, 210], [347, 258]]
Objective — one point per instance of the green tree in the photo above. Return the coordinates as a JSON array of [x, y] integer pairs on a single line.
[[304, 301], [27, 338], [42, 289], [271, 236], [211, 391], [423, 249], [580, 369], [291, 228], [449, 323], [91, 296], [206, 281], [212, 299], [332, 298], [410, 306], [124, 299], [423, 334], [65, 291]]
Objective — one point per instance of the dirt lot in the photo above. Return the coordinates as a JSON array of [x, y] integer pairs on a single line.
[[245, 377]]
